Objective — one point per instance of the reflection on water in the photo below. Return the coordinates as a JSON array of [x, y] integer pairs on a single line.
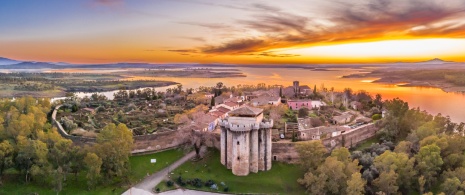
[[431, 99]]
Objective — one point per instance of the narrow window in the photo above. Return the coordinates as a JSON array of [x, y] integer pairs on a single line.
[[237, 142], [274, 158]]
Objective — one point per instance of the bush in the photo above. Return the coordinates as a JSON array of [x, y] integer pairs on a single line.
[[169, 183], [179, 180], [226, 189], [157, 190], [197, 183], [209, 183], [376, 117]]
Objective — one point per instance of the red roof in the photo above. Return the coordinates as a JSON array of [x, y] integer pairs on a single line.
[[231, 104], [216, 114], [223, 109]]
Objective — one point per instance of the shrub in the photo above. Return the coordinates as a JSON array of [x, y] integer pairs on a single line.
[[226, 189], [197, 183], [209, 183], [169, 183], [179, 180], [157, 190], [376, 117]]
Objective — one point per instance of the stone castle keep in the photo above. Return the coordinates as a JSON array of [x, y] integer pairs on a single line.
[[246, 141]]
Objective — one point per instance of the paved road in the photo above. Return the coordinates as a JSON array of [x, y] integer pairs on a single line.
[[153, 180], [187, 192]]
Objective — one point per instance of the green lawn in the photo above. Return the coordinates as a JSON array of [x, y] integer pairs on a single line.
[[140, 166], [281, 179], [366, 144]]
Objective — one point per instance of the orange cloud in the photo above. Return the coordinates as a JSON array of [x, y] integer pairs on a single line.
[[369, 21]]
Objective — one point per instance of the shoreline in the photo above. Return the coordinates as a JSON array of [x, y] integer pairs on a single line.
[[406, 82]]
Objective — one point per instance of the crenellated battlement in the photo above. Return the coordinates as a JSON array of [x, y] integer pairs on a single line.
[[245, 127]]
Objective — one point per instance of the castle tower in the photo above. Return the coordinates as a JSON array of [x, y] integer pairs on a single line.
[[296, 86], [246, 141]]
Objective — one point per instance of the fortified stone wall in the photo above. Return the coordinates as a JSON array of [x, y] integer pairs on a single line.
[[352, 138], [285, 152], [142, 144]]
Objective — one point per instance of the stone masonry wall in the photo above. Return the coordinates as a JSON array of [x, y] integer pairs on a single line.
[[285, 152], [352, 138]]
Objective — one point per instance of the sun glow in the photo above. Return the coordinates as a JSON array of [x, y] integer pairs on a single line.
[[400, 49]]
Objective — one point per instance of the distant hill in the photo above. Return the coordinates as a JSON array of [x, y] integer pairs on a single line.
[[6, 61], [32, 65], [435, 61]]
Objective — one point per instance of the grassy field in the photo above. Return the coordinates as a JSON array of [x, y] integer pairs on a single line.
[[140, 166], [281, 179]]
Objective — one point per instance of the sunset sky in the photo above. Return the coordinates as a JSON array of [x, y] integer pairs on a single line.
[[232, 31]]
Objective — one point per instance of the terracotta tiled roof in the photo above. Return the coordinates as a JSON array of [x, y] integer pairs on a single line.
[[246, 111], [231, 104], [223, 109]]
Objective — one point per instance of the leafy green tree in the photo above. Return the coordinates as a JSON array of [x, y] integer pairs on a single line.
[[404, 147], [429, 163], [32, 154], [114, 145], [387, 182], [451, 186], [356, 185], [401, 164], [312, 154], [6, 157], [395, 127], [427, 129], [303, 112], [93, 164]]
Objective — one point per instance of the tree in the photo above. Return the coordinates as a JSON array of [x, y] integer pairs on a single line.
[[378, 101], [314, 91], [429, 163], [332, 173], [312, 154], [331, 176], [114, 145], [219, 86], [387, 182], [421, 183], [6, 157], [303, 112], [400, 164], [32, 154], [356, 185], [396, 126], [451, 186], [93, 164]]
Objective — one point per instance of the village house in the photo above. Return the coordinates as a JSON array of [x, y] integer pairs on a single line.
[[322, 132], [356, 105], [342, 119], [298, 104], [209, 95], [230, 105], [318, 103], [219, 100], [219, 112], [233, 99], [266, 100]]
